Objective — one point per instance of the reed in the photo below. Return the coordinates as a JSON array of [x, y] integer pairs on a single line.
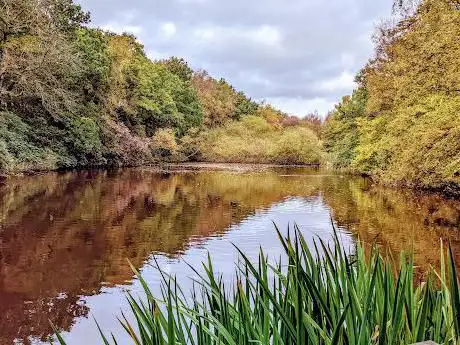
[[324, 295]]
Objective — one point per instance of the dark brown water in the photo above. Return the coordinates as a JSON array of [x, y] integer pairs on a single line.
[[65, 237]]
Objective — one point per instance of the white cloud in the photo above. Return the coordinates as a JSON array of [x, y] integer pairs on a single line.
[[348, 60], [205, 34], [301, 107], [168, 30], [300, 54], [118, 27], [156, 55], [343, 82], [260, 35], [266, 34]]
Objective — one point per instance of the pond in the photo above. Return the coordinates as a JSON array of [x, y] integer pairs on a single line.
[[65, 238]]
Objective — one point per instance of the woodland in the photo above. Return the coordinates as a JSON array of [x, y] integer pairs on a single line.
[[76, 96]]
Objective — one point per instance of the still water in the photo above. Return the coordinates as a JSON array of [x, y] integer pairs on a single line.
[[65, 238]]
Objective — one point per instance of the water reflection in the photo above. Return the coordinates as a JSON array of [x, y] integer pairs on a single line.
[[66, 236], [398, 220]]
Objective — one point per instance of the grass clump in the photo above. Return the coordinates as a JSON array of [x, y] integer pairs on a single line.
[[323, 295]]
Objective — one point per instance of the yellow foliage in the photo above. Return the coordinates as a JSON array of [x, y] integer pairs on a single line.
[[418, 57], [217, 98], [296, 145], [164, 143], [273, 116], [408, 131], [255, 140], [122, 50]]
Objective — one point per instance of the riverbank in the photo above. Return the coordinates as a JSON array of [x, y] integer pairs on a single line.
[[449, 190]]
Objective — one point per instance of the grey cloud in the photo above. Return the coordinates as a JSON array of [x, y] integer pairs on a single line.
[[298, 52]]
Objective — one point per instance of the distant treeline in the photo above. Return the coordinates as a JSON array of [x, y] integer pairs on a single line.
[[76, 96], [402, 125]]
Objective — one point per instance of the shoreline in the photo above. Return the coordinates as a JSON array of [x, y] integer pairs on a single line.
[[447, 191]]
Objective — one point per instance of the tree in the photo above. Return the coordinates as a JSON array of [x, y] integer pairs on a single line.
[[410, 131], [407, 7], [179, 67], [145, 95], [218, 99], [37, 60], [244, 106], [341, 132], [92, 46]]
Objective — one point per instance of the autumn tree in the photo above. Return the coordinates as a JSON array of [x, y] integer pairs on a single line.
[[37, 59], [402, 125]]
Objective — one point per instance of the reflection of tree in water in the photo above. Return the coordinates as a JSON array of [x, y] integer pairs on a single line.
[[63, 235], [68, 233], [399, 220], [22, 319]]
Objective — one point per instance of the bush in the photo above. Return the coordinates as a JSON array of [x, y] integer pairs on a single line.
[[402, 126], [6, 159], [86, 139], [17, 150], [122, 147], [297, 146], [164, 145], [255, 140], [419, 147], [340, 131]]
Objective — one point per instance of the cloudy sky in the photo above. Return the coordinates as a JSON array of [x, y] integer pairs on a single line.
[[300, 55]]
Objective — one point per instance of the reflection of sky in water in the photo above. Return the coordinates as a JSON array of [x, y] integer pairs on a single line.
[[256, 231]]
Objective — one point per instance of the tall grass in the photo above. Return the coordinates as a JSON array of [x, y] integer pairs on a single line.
[[323, 295]]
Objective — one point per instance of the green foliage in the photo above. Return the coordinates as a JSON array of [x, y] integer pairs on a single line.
[[92, 47], [340, 131], [6, 159], [86, 137], [420, 147], [18, 150], [179, 67], [67, 16], [146, 95], [244, 106], [82, 96], [321, 295], [164, 144], [87, 97], [221, 103], [151, 96], [162, 99]]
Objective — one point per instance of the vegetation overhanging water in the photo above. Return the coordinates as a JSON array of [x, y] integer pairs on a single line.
[[73, 95]]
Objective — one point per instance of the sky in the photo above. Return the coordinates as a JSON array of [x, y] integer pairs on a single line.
[[299, 55]]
